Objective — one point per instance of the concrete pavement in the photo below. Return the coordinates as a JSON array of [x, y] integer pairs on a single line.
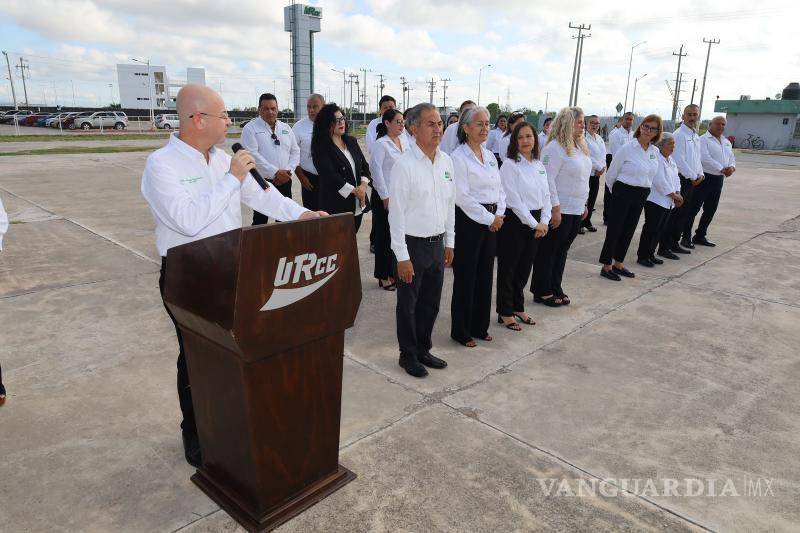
[[689, 371]]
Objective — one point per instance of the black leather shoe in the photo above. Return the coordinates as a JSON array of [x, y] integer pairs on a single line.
[[191, 449], [686, 243], [702, 241], [646, 262], [413, 367], [655, 260], [591, 229], [623, 272], [679, 250], [610, 274], [581, 231], [431, 361], [668, 254]]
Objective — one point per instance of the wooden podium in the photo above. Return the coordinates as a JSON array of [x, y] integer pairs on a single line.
[[263, 312]]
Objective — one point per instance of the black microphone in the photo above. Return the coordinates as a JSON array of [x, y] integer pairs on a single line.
[[253, 172]]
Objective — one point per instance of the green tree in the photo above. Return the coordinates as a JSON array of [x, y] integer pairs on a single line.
[[494, 110]]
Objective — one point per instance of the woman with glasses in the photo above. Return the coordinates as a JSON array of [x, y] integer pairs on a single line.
[[480, 209], [343, 169], [632, 171], [390, 144], [597, 153]]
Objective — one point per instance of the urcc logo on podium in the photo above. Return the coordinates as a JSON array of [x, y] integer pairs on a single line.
[[306, 266]]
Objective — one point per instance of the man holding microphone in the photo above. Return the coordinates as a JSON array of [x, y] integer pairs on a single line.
[[195, 190]]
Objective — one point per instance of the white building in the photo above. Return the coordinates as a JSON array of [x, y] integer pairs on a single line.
[[768, 124], [138, 84]]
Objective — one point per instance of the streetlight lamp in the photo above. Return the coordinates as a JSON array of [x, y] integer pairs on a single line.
[[635, 83], [628, 84], [480, 71], [149, 89], [111, 92], [343, 72]]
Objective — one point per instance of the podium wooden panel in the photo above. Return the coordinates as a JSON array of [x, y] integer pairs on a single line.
[[267, 381]]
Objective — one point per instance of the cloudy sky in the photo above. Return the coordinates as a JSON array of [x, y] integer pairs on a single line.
[[77, 43]]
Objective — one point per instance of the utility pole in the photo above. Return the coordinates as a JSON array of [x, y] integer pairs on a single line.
[[11, 80], [404, 84], [694, 88], [628, 84], [580, 60], [22, 66], [444, 93], [480, 71], [352, 76], [705, 72], [575, 66], [546, 101], [680, 55], [382, 86], [364, 99], [635, 83], [344, 84], [431, 87]]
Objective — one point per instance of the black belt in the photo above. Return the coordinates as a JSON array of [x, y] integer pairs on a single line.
[[435, 238], [492, 208]]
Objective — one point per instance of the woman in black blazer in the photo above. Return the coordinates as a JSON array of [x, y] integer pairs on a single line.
[[342, 168]]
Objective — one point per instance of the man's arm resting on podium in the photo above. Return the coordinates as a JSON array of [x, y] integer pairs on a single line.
[[272, 203]]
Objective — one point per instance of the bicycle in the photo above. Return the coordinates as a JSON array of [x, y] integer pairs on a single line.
[[753, 141]]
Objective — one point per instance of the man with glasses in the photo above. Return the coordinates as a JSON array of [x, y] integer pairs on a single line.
[[273, 146], [195, 190]]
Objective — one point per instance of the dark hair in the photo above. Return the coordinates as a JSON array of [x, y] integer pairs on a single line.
[[326, 118], [512, 119], [266, 96], [547, 121], [513, 146], [386, 98], [387, 116], [465, 103], [499, 118]]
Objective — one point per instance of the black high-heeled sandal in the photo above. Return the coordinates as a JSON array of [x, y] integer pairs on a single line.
[[529, 321], [513, 326], [553, 301]]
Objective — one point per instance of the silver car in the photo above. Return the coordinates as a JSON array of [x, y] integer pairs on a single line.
[[105, 119]]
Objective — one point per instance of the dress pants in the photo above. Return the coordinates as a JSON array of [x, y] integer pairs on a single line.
[[606, 193], [677, 218], [311, 198], [626, 208], [594, 188], [706, 196], [516, 249], [551, 257], [384, 258], [285, 189], [188, 425], [655, 218], [418, 301], [473, 276]]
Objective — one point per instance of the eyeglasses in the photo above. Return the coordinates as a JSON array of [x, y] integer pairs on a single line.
[[339, 120], [645, 127], [482, 125], [223, 116], [399, 122], [593, 123], [275, 139]]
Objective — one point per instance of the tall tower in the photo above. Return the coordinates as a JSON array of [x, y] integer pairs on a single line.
[[302, 22]]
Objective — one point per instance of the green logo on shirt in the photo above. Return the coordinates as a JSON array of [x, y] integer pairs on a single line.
[[447, 176], [284, 132], [652, 156], [492, 164], [541, 172], [546, 159], [191, 180]]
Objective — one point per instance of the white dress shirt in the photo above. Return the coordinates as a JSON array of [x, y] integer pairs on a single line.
[[665, 183], [568, 177], [372, 132], [303, 131], [542, 141], [526, 188], [347, 189], [478, 183], [716, 154], [597, 152], [270, 158], [191, 198], [449, 139], [491, 142], [3, 223], [687, 152], [422, 199], [502, 145], [633, 165], [618, 138], [384, 153]]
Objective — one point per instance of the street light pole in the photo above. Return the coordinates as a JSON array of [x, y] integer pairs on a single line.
[[344, 84], [635, 83], [480, 72], [628, 84]]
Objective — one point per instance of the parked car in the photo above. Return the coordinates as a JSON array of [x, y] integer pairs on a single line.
[[43, 121], [107, 119], [55, 120], [18, 115], [30, 120], [167, 122], [69, 122]]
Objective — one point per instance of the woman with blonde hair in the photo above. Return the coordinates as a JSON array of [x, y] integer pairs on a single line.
[[630, 177], [566, 160]]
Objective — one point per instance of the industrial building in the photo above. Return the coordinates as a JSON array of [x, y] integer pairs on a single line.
[[302, 22], [139, 82], [772, 124]]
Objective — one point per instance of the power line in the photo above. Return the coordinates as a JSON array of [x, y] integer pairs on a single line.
[[431, 88], [573, 88], [444, 92], [404, 84], [676, 97], [22, 66]]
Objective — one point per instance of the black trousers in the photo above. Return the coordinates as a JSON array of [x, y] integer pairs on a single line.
[[384, 258], [516, 249], [310, 198], [418, 301], [285, 189], [626, 208], [551, 258], [706, 196], [655, 218], [607, 193], [677, 218], [594, 188], [188, 425], [473, 276]]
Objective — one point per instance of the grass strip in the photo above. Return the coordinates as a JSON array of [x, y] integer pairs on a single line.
[[80, 150]]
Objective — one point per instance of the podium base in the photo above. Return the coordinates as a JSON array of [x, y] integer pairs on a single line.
[[280, 514]]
